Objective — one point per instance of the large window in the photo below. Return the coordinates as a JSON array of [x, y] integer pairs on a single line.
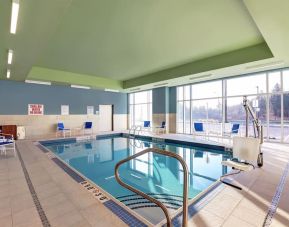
[[140, 107], [219, 104], [199, 102]]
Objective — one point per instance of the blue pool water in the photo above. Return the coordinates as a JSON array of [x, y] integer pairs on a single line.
[[155, 174]]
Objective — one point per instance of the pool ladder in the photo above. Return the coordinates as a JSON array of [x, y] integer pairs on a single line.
[[135, 129], [151, 199]]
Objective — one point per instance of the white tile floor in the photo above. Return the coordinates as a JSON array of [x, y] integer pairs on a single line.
[[67, 204]]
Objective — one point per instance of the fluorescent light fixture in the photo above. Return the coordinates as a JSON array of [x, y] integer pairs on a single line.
[[79, 86], [111, 90], [8, 73], [161, 85], [10, 56], [261, 66], [201, 77], [135, 89], [37, 82], [14, 16]]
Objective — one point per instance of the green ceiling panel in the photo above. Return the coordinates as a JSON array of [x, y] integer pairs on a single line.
[[126, 43], [249, 54]]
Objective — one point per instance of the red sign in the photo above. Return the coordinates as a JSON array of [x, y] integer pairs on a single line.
[[35, 109]]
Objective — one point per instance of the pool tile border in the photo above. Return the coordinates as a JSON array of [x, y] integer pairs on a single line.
[[276, 198], [123, 214], [97, 193]]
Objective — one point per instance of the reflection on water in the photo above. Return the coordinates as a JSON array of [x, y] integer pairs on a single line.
[[152, 173]]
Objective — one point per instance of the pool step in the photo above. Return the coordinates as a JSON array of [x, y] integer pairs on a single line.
[[135, 201]]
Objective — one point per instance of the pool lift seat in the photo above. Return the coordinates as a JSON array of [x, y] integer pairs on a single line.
[[245, 152], [246, 148]]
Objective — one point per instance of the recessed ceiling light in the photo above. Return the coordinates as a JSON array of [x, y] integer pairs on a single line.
[[14, 16], [111, 90], [79, 86], [10, 56], [261, 66], [8, 73], [37, 82]]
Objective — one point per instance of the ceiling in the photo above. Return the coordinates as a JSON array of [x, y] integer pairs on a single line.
[[126, 44]]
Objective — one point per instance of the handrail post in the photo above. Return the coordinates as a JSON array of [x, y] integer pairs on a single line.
[[151, 199]]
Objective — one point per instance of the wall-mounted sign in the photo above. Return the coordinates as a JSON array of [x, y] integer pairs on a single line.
[[64, 109], [35, 109], [90, 110]]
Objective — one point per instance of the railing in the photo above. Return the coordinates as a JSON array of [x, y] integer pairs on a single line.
[[133, 130], [151, 199]]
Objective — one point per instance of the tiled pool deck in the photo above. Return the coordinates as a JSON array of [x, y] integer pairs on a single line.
[[66, 203]]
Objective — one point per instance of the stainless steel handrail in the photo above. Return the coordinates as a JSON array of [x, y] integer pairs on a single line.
[[151, 199]]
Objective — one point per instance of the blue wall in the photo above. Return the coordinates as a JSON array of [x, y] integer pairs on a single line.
[[173, 100], [15, 97], [160, 100], [164, 100]]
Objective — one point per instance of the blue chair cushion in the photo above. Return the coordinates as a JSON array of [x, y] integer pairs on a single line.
[[198, 127], [235, 128], [60, 126], [88, 125], [5, 142], [146, 124]]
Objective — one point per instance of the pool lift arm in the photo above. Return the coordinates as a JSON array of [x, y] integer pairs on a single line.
[[258, 128]]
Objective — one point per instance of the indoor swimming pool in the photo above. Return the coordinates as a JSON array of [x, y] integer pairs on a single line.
[[157, 175]]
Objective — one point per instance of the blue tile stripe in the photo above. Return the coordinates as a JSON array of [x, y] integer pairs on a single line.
[[45, 222], [276, 198], [124, 215], [75, 176]]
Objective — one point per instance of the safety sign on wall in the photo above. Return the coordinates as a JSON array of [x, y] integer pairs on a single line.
[[35, 109]]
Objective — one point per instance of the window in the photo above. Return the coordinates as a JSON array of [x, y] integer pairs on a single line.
[[246, 85], [275, 117], [140, 107], [219, 104], [198, 102], [286, 80], [207, 90], [274, 82]]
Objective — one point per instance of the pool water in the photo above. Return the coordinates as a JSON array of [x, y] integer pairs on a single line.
[[157, 175]]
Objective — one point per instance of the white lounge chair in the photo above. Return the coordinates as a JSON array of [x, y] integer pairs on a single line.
[[62, 130], [245, 154], [7, 142]]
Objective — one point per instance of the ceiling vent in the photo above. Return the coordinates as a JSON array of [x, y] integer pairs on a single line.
[[265, 65], [201, 77]]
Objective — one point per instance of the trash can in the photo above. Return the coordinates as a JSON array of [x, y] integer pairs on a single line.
[[20, 132]]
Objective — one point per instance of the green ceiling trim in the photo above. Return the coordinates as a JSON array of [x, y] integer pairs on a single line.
[[241, 56], [45, 74]]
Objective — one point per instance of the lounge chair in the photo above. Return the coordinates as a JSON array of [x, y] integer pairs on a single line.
[[199, 128], [245, 153], [87, 127], [161, 128], [7, 142], [234, 131], [146, 126], [61, 129]]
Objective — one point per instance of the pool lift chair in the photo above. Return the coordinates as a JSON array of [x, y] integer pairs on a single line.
[[246, 150]]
